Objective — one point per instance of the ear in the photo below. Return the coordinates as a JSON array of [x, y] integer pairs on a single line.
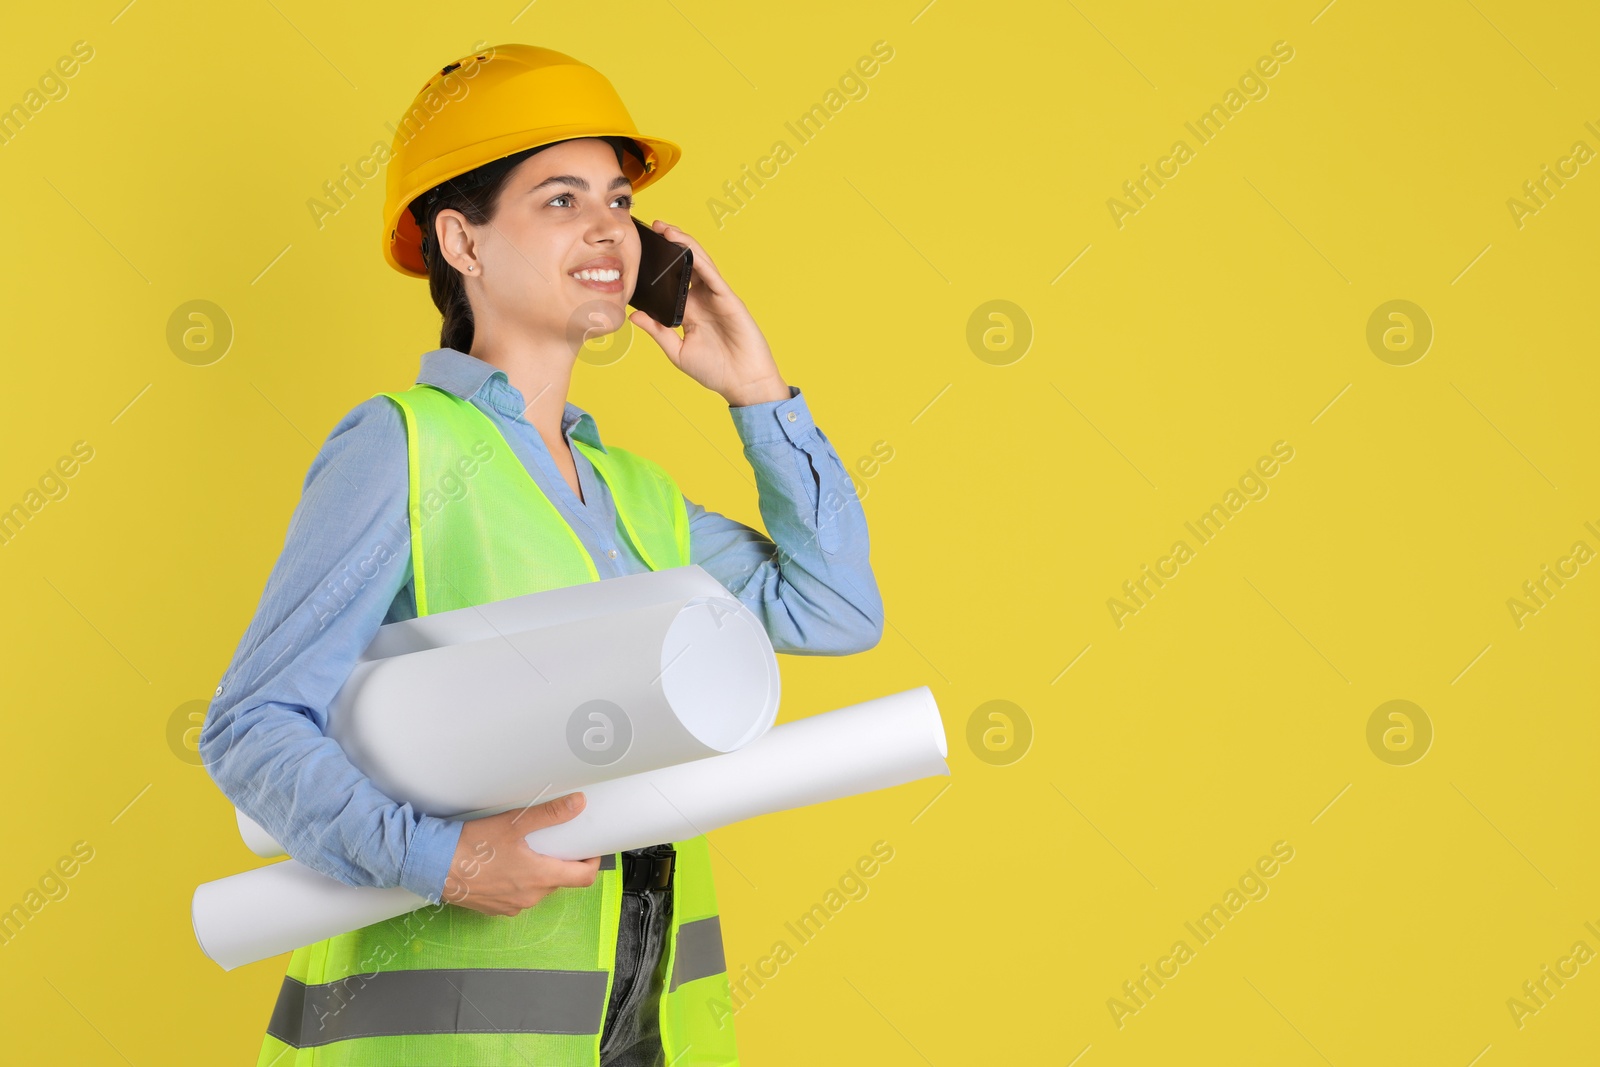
[[456, 243]]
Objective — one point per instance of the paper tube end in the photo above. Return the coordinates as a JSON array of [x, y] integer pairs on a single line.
[[194, 921], [933, 706], [255, 838]]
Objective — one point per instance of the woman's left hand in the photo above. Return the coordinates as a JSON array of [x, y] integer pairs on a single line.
[[721, 347]]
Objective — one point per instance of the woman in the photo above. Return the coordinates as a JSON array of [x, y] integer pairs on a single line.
[[517, 251]]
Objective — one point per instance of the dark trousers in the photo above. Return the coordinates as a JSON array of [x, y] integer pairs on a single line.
[[632, 1036]]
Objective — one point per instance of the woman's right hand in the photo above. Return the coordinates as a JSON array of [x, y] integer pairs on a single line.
[[495, 872]]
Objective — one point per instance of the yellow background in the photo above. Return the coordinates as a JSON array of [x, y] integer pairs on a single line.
[[1229, 313]]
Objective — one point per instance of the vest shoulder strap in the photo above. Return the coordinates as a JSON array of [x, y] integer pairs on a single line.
[[481, 528], [649, 503]]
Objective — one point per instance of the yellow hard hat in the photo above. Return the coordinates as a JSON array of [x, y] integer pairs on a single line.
[[501, 100]]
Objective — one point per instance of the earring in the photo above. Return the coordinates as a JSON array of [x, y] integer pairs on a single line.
[[471, 267]]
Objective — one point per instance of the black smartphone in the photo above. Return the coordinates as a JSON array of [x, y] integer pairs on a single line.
[[662, 287]]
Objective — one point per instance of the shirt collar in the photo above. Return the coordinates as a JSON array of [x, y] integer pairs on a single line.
[[467, 375]]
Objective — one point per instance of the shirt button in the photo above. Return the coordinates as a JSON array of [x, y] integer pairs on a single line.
[[219, 691], [791, 416], [611, 553]]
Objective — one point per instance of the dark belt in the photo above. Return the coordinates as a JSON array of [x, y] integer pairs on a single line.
[[647, 870]]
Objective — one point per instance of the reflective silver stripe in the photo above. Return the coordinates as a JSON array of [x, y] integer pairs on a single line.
[[444, 1001], [699, 951]]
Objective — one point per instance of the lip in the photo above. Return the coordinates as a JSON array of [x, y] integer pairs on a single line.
[[600, 263]]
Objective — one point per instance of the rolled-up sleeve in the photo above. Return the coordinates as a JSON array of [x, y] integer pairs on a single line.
[[808, 577], [265, 743]]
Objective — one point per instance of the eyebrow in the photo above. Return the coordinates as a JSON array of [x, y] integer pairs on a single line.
[[581, 183]]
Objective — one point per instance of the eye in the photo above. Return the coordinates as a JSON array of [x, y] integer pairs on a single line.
[[627, 200], [563, 196]]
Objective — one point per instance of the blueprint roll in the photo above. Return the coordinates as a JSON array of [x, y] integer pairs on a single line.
[[492, 721], [873, 745]]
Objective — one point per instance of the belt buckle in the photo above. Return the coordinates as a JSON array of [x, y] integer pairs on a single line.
[[647, 871], [663, 871]]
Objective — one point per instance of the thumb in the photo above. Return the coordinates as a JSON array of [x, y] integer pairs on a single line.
[[665, 336], [550, 813]]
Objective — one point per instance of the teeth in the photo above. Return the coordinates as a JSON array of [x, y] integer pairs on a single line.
[[597, 275]]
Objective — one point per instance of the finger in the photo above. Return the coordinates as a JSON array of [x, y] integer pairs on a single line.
[[551, 811], [704, 269], [553, 870], [665, 336], [573, 873]]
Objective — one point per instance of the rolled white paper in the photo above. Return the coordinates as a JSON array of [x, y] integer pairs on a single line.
[[494, 721], [256, 839], [481, 707], [452, 741], [876, 744], [536, 611], [872, 745]]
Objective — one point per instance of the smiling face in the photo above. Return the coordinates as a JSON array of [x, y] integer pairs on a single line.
[[560, 248]]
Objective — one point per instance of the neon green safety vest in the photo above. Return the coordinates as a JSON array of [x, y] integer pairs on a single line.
[[448, 985]]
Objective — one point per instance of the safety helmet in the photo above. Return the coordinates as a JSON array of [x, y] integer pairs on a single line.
[[502, 100]]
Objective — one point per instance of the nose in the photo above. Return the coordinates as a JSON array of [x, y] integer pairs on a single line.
[[607, 225]]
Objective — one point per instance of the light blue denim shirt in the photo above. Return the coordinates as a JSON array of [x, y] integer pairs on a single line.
[[346, 569]]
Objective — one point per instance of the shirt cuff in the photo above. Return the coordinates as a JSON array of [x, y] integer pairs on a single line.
[[775, 420], [428, 856]]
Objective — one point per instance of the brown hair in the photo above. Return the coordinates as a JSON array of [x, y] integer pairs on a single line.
[[476, 195]]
